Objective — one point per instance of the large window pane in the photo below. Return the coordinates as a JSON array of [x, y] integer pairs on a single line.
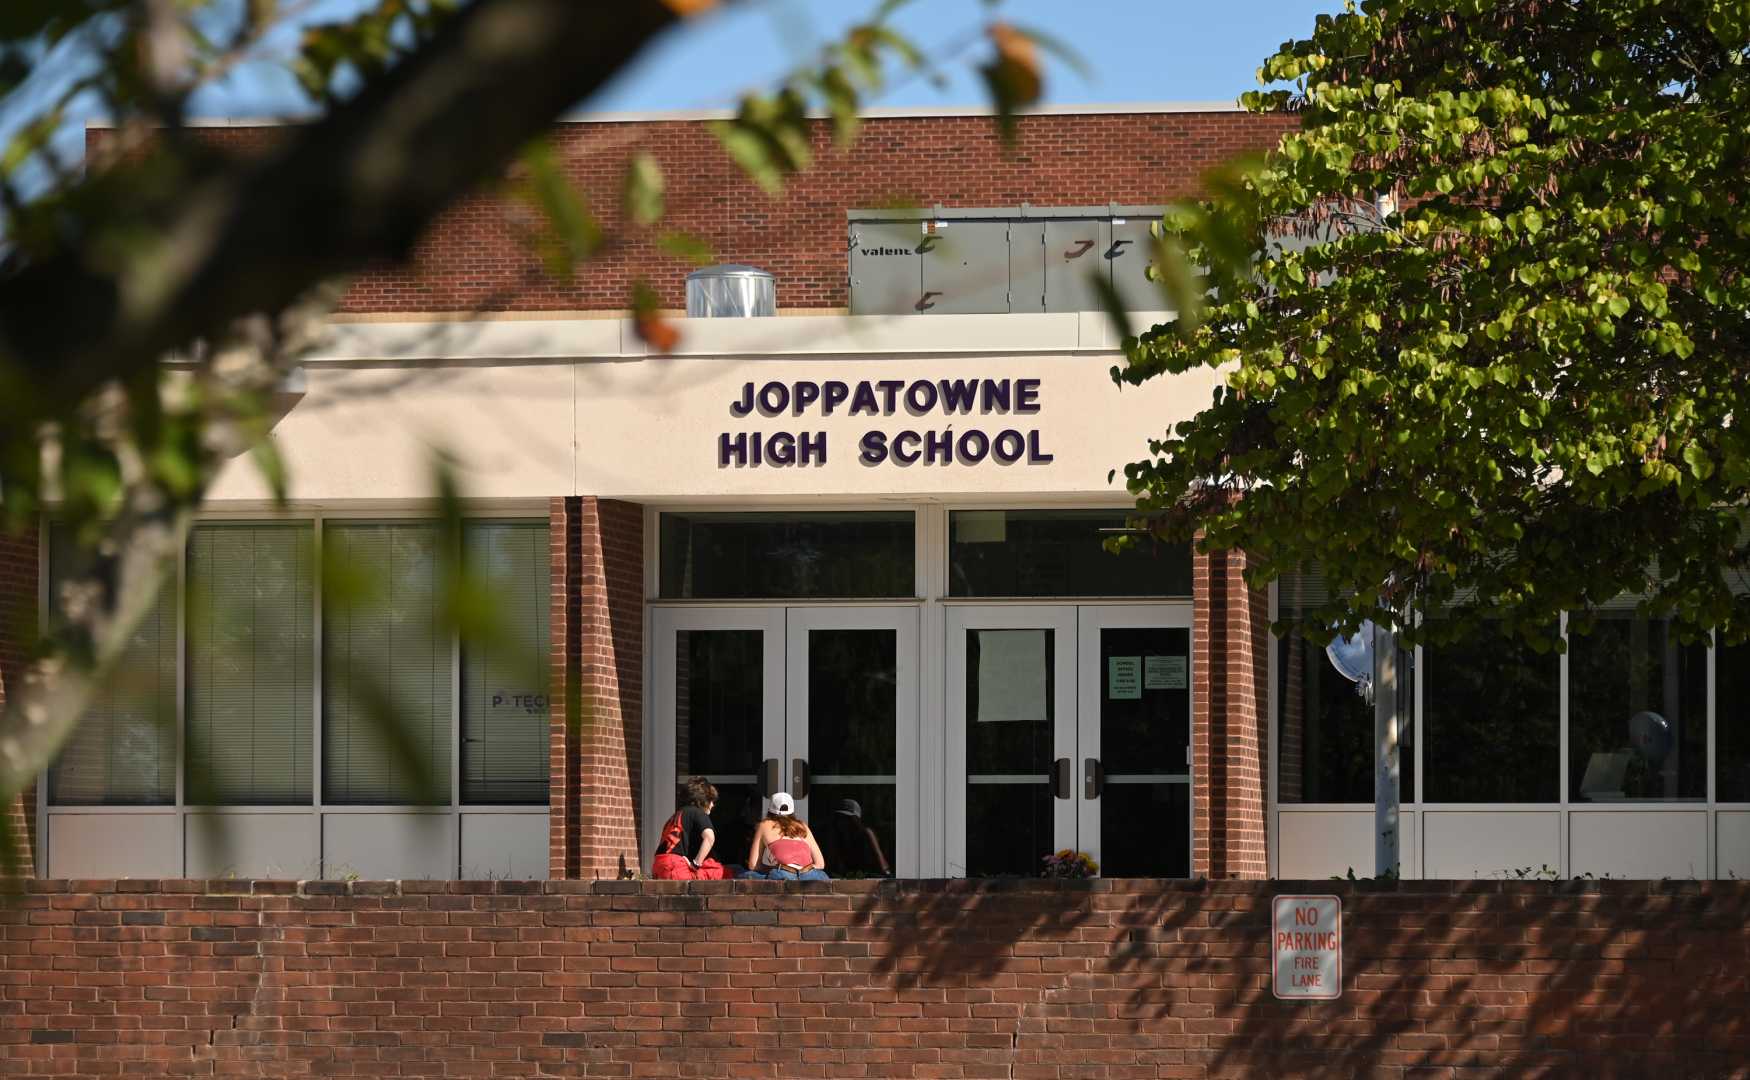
[[1058, 553], [1637, 712], [251, 664], [123, 753], [386, 668], [852, 745], [719, 706], [778, 556], [1010, 714], [1492, 713], [1324, 740], [505, 707], [1732, 722], [1145, 735]]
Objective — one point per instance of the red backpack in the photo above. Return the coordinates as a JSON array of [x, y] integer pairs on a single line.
[[671, 836]]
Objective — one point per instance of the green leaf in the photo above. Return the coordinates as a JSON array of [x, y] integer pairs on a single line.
[[687, 246], [644, 189]]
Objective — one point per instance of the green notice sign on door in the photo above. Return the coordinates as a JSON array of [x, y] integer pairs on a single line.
[[1123, 678]]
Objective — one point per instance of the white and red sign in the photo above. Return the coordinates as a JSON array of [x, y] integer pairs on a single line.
[[1306, 947]]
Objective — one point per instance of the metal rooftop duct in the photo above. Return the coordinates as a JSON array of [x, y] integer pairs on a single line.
[[731, 291]]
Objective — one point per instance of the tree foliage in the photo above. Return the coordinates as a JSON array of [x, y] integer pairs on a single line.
[[1523, 389], [152, 297]]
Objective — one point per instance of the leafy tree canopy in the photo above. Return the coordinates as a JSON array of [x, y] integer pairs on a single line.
[[152, 297], [1524, 388]]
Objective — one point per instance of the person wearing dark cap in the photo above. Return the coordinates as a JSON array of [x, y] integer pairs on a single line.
[[856, 850]]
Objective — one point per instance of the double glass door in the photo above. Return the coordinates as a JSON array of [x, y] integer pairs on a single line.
[[1069, 727], [819, 702]]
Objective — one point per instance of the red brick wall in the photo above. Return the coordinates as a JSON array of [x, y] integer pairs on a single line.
[[477, 256], [598, 732], [1230, 720], [1097, 981], [18, 628]]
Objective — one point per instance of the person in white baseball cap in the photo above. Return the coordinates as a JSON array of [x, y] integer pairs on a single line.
[[784, 848]]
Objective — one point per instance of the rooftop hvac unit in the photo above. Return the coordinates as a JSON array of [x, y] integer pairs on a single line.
[[730, 291]]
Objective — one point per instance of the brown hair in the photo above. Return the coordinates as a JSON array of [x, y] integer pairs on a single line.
[[790, 827], [698, 792]]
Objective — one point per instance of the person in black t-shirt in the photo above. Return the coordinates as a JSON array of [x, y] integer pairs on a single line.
[[684, 852]]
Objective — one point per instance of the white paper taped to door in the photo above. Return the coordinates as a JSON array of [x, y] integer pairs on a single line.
[[1011, 676]]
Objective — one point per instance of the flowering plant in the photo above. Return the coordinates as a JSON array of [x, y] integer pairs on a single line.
[[1070, 864]]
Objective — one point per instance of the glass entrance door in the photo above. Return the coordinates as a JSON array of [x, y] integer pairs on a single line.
[[1011, 737], [852, 735], [821, 702], [1134, 734], [719, 704], [1069, 727]]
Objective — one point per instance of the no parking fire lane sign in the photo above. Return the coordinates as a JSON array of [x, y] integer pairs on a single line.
[[1306, 947]]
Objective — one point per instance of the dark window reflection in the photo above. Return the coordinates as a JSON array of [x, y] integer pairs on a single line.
[[719, 706], [719, 702], [1732, 722], [853, 699], [1008, 829], [1145, 830], [1325, 726], [1058, 553], [1637, 712], [779, 556], [1492, 713], [853, 727], [1145, 731], [854, 825], [739, 808], [1010, 695]]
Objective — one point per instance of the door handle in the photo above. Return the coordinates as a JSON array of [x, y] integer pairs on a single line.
[[1093, 778], [771, 777], [799, 778], [1061, 783]]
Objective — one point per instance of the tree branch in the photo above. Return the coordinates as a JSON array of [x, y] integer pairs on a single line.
[[235, 238]]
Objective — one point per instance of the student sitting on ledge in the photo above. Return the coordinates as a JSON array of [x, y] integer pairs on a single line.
[[783, 846], [684, 853]]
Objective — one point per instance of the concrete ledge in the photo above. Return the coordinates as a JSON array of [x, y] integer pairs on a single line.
[[909, 887], [793, 335]]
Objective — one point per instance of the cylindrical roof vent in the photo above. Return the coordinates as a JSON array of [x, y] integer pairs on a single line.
[[731, 291]]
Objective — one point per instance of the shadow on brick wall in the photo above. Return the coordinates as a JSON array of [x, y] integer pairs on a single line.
[[1556, 979]]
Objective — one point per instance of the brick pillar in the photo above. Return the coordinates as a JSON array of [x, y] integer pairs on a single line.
[[18, 627], [1230, 723], [598, 659]]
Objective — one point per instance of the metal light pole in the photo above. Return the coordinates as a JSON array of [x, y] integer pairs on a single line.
[[1385, 753]]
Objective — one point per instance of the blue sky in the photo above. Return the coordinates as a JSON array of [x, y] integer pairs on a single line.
[[1134, 50], [1131, 51]]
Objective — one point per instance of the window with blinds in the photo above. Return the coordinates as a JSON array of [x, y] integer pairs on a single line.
[[386, 667], [505, 706], [123, 753], [251, 664]]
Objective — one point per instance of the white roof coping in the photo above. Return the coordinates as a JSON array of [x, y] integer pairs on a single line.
[[525, 340]]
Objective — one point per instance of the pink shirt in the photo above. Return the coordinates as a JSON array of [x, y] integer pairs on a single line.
[[792, 852]]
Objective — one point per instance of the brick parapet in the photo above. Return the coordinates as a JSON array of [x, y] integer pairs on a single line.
[[1099, 980], [478, 256]]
